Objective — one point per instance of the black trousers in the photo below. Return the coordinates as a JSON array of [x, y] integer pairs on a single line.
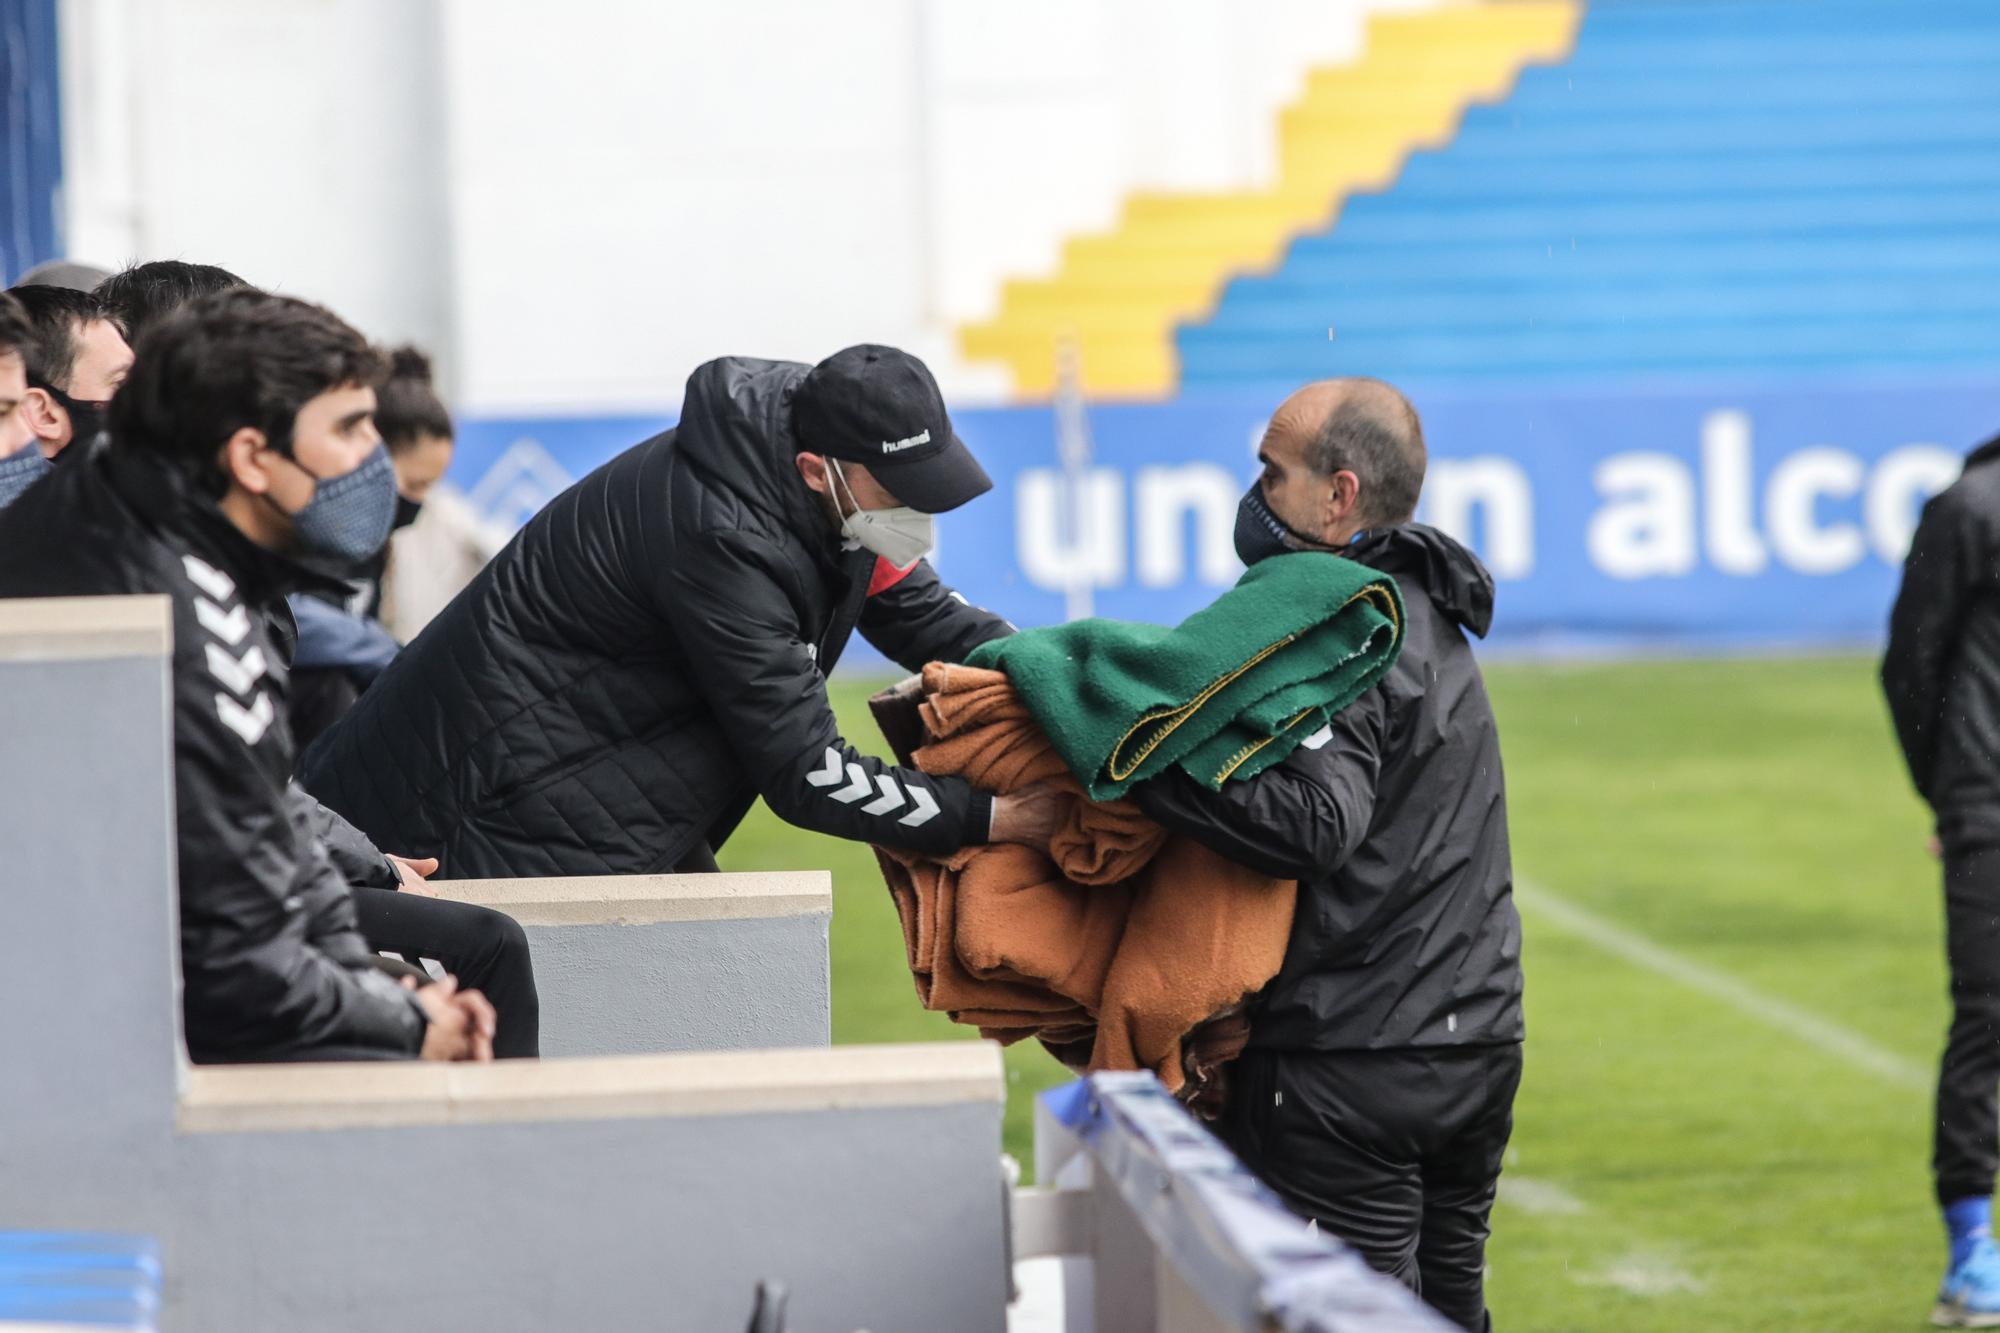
[[1396, 1153], [1967, 1144], [486, 950]]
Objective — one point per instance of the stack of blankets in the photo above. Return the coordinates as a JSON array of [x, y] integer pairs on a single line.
[[1125, 947]]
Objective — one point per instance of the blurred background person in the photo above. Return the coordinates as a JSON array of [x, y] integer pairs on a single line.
[[76, 361], [21, 463], [64, 273]]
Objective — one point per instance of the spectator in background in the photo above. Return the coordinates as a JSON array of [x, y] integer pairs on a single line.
[[342, 643], [21, 463], [138, 297], [242, 437], [1941, 673], [64, 273], [76, 361]]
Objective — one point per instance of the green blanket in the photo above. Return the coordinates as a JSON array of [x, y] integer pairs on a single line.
[[1227, 693]]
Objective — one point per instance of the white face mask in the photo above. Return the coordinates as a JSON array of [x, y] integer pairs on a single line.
[[902, 535]]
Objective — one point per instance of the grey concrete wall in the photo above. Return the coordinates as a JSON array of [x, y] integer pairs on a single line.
[[639, 1193], [630, 964]]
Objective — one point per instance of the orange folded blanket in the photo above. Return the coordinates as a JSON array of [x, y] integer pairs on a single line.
[[1123, 948]]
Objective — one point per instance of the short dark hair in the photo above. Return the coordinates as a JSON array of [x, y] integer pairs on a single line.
[[15, 330], [1374, 433], [56, 317], [143, 294], [238, 358], [407, 406]]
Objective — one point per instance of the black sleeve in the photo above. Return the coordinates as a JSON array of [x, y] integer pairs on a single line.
[[355, 859], [742, 639], [1299, 819], [918, 620], [269, 959], [1947, 563]]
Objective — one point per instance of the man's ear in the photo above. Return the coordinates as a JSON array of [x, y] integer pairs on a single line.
[[1343, 502], [244, 462], [812, 468], [46, 421]]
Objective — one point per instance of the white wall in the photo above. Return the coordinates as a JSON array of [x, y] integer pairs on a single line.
[[576, 204]]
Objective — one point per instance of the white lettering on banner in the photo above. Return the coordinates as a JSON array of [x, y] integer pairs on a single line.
[[1098, 551], [1646, 528], [1791, 511], [1497, 488], [1726, 495], [1165, 497], [1903, 481]]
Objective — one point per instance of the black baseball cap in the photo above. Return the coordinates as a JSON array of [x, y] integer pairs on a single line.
[[880, 406]]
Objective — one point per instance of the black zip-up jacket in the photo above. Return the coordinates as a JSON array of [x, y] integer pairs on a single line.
[[645, 658], [1396, 829], [1941, 671], [271, 959]]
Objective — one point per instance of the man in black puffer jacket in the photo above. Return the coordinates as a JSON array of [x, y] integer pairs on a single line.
[[1377, 1093], [649, 654]]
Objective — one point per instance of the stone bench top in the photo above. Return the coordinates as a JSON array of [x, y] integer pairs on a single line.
[[647, 899], [250, 1098], [84, 629]]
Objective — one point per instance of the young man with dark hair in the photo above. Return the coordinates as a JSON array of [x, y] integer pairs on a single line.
[[140, 296], [242, 438], [21, 464], [76, 361]]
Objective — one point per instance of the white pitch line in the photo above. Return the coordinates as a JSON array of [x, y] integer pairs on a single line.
[[1790, 1019]]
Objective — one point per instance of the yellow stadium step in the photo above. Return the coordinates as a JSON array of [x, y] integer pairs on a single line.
[[1121, 294]]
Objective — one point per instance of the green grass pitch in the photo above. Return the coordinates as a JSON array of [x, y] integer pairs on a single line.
[[1735, 998]]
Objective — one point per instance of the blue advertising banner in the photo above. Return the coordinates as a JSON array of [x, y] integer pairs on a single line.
[[1755, 517]]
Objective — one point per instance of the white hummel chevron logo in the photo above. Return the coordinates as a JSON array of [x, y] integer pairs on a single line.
[[927, 807], [208, 578], [890, 799], [829, 775], [250, 723], [1318, 738], [229, 626], [892, 796], [239, 674], [857, 786]]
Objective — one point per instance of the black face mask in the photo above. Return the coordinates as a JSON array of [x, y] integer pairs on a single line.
[[406, 511], [1260, 533], [86, 419]]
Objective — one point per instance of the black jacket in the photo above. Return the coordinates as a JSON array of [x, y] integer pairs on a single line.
[[1941, 671], [271, 960], [1395, 828], [647, 657]]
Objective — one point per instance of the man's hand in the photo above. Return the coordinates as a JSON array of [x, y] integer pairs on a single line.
[[462, 1023], [1028, 816], [1935, 847], [413, 871]]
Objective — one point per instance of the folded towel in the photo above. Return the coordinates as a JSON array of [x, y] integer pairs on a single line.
[[1116, 948], [1227, 693]]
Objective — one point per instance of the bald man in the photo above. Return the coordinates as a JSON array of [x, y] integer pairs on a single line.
[[1377, 1093]]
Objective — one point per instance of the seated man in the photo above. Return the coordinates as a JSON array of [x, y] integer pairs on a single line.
[[243, 436], [76, 360]]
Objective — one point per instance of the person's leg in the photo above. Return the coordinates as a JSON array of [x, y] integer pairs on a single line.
[[486, 950], [1460, 1177], [1319, 1130], [1967, 1142]]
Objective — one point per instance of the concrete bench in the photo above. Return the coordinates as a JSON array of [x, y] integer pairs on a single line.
[[629, 964], [593, 1193]]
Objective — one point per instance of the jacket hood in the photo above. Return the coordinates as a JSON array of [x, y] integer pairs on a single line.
[[736, 429], [1984, 452], [1449, 574]]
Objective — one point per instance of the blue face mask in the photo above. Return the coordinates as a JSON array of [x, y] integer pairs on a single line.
[[348, 517], [20, 470]]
